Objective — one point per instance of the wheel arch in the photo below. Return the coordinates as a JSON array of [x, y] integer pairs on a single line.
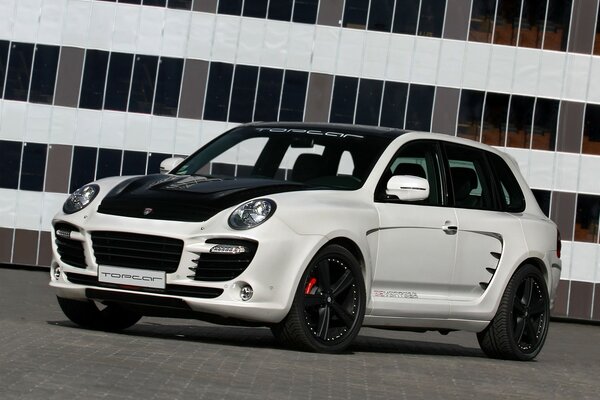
[[540, 265], [352, 247]]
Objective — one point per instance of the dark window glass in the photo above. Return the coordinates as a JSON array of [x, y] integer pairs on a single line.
[[10, 163], [43, 76], [131, 1], [280, 10], [157, 3], [494, 119], [469, 114], [369, 102], [168, 85], [543, 200], [507, 22], [420, 105], [544, 124], [232, 7], [142, 84], [520, 121], [532, 23], [218, 90], [19, 71], [482, 20], [154, 160], [134, 163], [393, 106], [355, 14], [587, 217], [343, 101], [119, 79], [557, 25], [405, 17], [511, 195], [293, 96], [591, 130], [431, 20], [33, 167], [242, 94], [305, 11], [255, 8], [109, 163], [180, 4], [469, 177], [94, 76], [380, 15], [3, 63], [268, 94], [83, 167]]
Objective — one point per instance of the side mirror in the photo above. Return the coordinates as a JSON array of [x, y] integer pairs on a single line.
[[408, 187], [169, 164]]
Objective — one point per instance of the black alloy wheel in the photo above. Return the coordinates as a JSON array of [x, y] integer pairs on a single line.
[[329, 304], [529, 315]]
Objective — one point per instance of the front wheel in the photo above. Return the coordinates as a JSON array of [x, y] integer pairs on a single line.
[[329, 304], [86, 314], [519, 329]]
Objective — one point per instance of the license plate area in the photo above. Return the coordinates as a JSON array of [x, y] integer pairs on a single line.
[[132, 277]]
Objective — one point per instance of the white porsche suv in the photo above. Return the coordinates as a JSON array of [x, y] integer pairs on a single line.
[[315, 230]]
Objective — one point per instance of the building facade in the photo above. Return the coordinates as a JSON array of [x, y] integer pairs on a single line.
[[92, 88]]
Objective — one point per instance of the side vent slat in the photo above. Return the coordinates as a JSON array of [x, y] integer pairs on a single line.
[[484, 285], [495, 255], [491, 270]]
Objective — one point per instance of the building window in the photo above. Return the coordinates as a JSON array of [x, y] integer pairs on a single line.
[[544, 124], [154, 160], [431, 18], [218, 90], [520, 122], [393, 106], [406, 16], [469, 114], [280, 10], [591, 130], [156, 3], [343, 101], [168, 86], [482, 20], [118, 81], [243, 93], [231, 7], [293, 96], [33, 167], [380, 15], [109, 163], [134, 163], [43, 77], [142, 84], [558, 18], [543, 200], [10, 163], [268, 94], [355, 14], [181, 4], [255, 8], [419, 108], [587, 218], [305, 11], [19, 71], [3, 64], [83, 167], [507, 22], [493, 130], [369, 102], [531, 24], [94, 77]]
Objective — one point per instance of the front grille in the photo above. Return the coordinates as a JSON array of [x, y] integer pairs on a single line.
[[132, 250], [70, 251], [223, 267]]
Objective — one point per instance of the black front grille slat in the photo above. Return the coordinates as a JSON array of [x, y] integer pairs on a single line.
[[215, 267], [71, 251], [131, 250]]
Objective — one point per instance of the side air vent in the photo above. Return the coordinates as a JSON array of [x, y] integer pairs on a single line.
[[226, 261], [70, 251]]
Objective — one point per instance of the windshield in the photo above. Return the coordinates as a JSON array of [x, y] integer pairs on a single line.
[[312, 157]]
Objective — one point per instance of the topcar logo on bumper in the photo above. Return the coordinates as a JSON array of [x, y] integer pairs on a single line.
[[133, 277]]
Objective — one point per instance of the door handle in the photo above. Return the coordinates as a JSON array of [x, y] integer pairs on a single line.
[[449, 228]]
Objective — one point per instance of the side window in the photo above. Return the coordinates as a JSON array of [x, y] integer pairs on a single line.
[[417, 159], [511, 194], [469, 177]]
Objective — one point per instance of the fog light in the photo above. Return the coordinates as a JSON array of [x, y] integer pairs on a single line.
[[246, 293], [57, 273]]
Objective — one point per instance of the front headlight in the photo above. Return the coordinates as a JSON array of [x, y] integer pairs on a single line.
[[252, 213], [80, 198]]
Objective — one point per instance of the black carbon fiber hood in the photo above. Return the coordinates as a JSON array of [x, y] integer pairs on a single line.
[[185, 198]]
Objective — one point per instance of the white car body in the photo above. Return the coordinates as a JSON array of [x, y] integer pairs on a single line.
[[424, 267]]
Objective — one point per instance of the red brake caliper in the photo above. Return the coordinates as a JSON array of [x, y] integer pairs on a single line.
[[311, 283]]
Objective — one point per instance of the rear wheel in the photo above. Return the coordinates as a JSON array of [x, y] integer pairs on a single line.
[[86, 314], [519, 329], [329, 304]]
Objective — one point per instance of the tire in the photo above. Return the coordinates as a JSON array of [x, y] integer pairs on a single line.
[[87, 315], [519, 328], [329, 304]]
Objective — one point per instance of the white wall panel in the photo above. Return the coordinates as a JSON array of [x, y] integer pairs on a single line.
[[112, 129], [51, 21], [26, 20], [476, 65], [566, 172], [425, 60], [526, 73], [212, 129], [349, 58], [201, 36], [102, 21], [400, 57], [566, 255], [451, 63], [301, 42], [177, 26], [224, 47], [551, 71], [162, 135], [584, 263], [29, 210], [8, 208], [187, 139], [63, 126], [38, 122], [77, 24], [126, 26], [594, 81], [7, 18], [53, 202], [502, 61], [87, 132], [523, 159], [137, 133], [325, 49], [589, 176], [541, 169], [576, 77], [12, 120], [149, 36], [376, 54], [252, 31]]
